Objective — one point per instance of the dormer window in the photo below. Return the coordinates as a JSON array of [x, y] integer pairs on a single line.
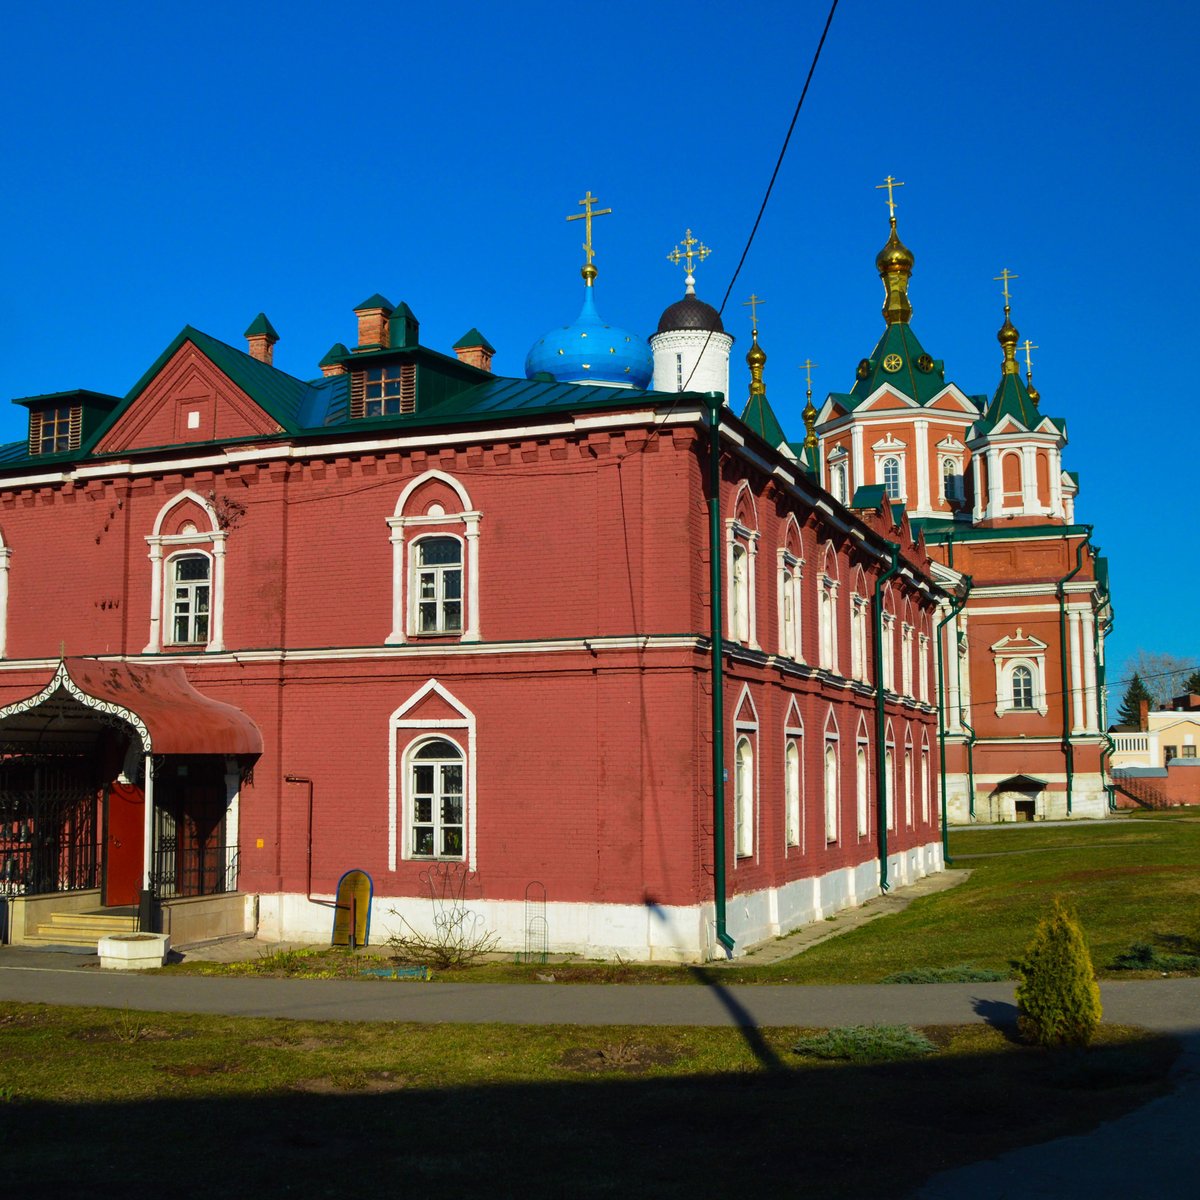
[[55, 430], [385, 391]]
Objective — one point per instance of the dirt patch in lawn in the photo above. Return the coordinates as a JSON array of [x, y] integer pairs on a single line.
[[632, 1057]]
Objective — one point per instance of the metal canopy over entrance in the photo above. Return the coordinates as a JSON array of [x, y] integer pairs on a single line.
[[121, 777]]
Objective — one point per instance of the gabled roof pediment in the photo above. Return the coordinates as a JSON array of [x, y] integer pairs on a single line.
[[1022, 643], [951, 444], [954, 399], [200, 390], [885, 397], [888, 442]]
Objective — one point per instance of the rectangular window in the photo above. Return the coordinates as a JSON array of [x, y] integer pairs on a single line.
[[1170, 752], [190, 594], [1189, 752], [438, 585], [384, 391], [55, 430]]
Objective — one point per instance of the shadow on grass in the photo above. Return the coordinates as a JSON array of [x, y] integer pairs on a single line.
[[742, 1018], [1001, 1015], [599, 1134]]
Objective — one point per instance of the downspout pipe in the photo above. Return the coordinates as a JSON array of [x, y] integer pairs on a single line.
[[713, 403], [1109, 745], [1061, 594], [880, 700], [957, 607]]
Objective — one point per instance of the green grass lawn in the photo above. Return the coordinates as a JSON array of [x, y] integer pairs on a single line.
[[104, 1103], [1131, 880]]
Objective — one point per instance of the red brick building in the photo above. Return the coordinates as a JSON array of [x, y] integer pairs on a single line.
[[448, 628]]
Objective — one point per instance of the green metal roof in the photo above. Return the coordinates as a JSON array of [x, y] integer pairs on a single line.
[[868, 495], [760, 417], [899, 341], [335, 354], [471, 339], [1012, 399], [938, 530], [375, 301], [83, 395], [261, 327]]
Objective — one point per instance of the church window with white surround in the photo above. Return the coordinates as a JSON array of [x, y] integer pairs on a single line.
[[743, 801], [190, 599], [437, 585], [891, 477], [436, 799]]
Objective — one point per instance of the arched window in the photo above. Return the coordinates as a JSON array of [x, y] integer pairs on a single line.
[[891, 477], [889, 785], [190, 578], [952, 484], [437, 584], [924, 783], [831, 791], [908, 784], [436, 800], [860, 788], [837, 477], [1022, 687], [791, 786], [743, 798], [739, 594]]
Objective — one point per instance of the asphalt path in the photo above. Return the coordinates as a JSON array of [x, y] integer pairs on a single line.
[[1166, 1005]]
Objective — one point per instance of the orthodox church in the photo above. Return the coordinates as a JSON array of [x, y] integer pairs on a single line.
[[1020, 641], [590, 659]]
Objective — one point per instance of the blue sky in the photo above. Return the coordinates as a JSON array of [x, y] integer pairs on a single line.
[[187, 163]]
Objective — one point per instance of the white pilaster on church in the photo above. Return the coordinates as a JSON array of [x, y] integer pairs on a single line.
[[1088, 630], [1056, 496], [978, 472], [1031, 501], [921, 434], [1076, 672], [856, 455], [950, 666], [995, 500]]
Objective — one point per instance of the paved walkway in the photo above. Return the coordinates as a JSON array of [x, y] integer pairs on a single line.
[[1150, 1152]]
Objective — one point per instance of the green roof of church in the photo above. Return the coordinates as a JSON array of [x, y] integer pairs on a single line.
[[375, 301], [1012, 399], [917, 375], [760, 417]]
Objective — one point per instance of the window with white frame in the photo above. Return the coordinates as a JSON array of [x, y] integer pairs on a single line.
[[858, 637], [906, 659], [791, 788], [951, 480], [739, 594], [789, 606], [925, 784], [860, 787], [1022, 687], [890, 470], [435, 561], [743, 798], [908, 784], [889, 784], [436, 800], [831, 790], [837, 482], [827, 620], [923, 667], [437, 585], [889, 652], [190, 578], [187, 576]]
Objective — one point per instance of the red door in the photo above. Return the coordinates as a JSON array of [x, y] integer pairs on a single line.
[[123, 844]]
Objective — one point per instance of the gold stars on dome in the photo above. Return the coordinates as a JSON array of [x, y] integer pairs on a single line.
[[894, 264], [588, 270], [1008, 335], [810, 412], [686, 255]]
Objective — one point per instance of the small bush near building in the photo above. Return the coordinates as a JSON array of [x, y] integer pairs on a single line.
[[1058, 998]]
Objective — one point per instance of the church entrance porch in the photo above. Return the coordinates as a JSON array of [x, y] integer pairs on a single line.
[[119, 791], [1019, 798]]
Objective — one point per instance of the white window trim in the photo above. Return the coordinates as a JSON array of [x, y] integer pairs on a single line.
[[862, 787], [211, 541], [827, 622], [891, 447], [5, 560], [923, 667], [1032, 654], [790, 592], [888, 621], [906, 659], [746, 728], [738, 534], [832, 804], [908, 780], [859, 606], [407, 760], [889, 779], [414, 599], [793, 731], [403, 609], [956, 462], [169, 599], [398, 793]]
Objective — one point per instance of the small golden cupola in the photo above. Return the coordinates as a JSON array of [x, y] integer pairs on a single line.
[[1008, 335], [894, 264]]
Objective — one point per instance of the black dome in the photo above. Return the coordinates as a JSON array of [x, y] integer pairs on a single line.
[[690, 313]]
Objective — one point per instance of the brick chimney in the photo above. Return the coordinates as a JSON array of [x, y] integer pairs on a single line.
[[260, 339], [1143, 715], [475, 350], [334, 362], [373, 316]]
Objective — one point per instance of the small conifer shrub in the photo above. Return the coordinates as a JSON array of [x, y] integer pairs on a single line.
[[1058, 998]]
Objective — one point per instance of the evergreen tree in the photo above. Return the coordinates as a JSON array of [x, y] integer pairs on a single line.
[[1058, 998], [1191, 684], [1129, 712]]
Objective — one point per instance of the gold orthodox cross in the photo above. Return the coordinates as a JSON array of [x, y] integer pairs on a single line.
[[586, 216], [1006, 275], [1027, 345], [752, 304], [807, 367], [677, 256], [890, 183]]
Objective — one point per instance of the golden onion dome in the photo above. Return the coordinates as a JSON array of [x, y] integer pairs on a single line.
[[1007, 337], [895, 256]]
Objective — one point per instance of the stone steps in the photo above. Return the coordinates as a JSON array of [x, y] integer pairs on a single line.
[[81, 928]]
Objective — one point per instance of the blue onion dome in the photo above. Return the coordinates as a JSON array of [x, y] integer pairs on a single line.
[[589, 351]]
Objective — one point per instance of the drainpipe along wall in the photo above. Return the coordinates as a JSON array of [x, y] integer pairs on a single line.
[[880, 700], [1060, 592], [957, 607], [714, 401]]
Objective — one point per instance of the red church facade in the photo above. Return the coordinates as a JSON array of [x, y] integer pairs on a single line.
[[434, 624]]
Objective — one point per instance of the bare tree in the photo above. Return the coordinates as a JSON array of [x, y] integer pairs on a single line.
[[1163, 674]]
